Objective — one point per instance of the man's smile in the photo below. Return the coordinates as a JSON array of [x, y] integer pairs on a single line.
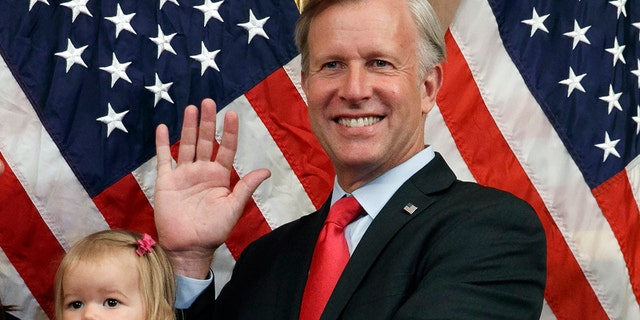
[[359, 122]]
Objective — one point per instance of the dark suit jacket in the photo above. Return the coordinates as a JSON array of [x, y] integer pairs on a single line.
[[467, 252], [8, 316]]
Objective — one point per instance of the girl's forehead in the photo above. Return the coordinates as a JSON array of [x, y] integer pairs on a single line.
[[102, 271], [108, 258]]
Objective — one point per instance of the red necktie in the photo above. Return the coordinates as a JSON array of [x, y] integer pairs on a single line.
[[330, 256]]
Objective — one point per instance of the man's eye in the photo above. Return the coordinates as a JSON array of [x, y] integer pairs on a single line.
[[75, 305], [331, 65], [111, 303], [380, 63]]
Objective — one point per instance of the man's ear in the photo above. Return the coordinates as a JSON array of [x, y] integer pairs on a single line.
[[431, 85]]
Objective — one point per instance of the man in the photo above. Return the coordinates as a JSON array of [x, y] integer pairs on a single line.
[[428, 247]]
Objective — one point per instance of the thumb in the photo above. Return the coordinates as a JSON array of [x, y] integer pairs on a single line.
[[248, 185]]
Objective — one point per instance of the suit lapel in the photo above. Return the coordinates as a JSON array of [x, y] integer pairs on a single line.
[[432, 178]]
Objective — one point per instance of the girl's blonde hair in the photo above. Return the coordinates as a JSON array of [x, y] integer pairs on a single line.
[[157, 282]]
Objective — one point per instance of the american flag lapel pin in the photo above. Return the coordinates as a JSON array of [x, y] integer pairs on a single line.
[[410, 208]]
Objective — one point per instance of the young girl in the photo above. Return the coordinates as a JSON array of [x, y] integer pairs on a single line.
[[115, 275]]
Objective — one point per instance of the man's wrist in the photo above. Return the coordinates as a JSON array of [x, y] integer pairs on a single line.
[[194, 266]]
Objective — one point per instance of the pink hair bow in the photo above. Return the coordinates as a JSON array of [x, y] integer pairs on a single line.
[[145, 244]]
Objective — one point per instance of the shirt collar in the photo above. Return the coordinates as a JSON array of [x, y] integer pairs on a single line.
[[375, 194]]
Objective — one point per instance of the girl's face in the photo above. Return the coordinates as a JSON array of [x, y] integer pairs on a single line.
[[104, 289]]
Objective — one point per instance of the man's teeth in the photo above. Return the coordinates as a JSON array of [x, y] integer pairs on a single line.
[[359, 122]]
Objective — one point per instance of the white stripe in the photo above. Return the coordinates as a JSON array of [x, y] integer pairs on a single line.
[[547, 314], [146, 175], [37, 163], [281, 198], [222, 267], [294, 70], [439, 137], [545, 159], [13, 291]]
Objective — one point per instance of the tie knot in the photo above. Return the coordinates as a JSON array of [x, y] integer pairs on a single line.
[[344, 211]]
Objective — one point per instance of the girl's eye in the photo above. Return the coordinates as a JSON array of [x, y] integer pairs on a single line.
[[111, 303], [75, 305]]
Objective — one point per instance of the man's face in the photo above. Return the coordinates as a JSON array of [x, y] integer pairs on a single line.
[[367, 103]]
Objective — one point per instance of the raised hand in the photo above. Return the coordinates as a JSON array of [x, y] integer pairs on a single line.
[[195, 207]]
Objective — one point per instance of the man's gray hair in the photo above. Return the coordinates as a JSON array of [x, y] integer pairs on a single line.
[[431, 49]]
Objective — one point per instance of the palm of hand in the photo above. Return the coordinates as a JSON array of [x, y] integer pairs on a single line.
[[195, 206]]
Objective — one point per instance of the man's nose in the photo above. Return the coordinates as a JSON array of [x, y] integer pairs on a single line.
[[356, 85]]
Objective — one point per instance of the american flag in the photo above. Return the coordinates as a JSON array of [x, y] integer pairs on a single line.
[[84, 83], [542, 98]]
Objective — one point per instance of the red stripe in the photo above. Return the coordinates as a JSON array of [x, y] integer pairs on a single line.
[[250, 226], [615, 198], [284, 114], [27, 241], [568, 292], [125, 206]]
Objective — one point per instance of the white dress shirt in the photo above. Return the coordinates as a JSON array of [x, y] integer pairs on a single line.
[[375, 194]]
